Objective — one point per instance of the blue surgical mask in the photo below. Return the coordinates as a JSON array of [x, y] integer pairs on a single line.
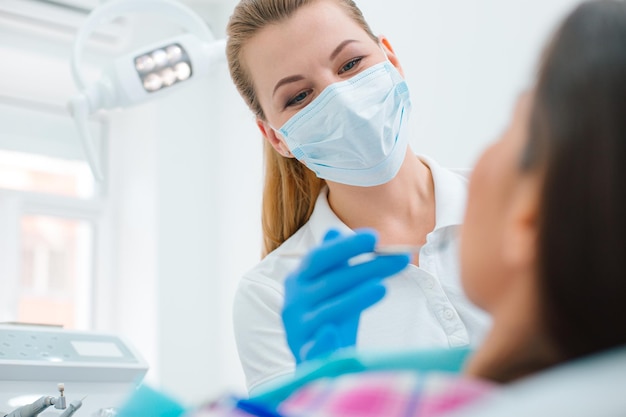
[[355, 132]]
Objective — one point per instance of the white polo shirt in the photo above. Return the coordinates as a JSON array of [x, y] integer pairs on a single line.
[[423, 307]]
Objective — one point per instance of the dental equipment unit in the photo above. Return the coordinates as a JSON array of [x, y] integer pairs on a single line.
[[93, 373]]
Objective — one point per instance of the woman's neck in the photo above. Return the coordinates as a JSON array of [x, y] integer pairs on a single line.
[[402, 210], [515, 346]]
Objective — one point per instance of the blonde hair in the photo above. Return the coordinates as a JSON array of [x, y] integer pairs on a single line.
[[290, 189]]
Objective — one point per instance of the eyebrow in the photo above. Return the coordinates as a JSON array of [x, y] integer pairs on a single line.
[[294, 78], [339, 47], [287, 80]]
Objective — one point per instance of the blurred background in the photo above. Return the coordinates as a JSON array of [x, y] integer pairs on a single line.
[[154, 252]]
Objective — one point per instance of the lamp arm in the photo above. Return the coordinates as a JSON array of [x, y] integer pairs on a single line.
[[79, 107], [215, 51]]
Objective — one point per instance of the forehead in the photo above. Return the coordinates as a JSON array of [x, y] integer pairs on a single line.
[[290, 46]]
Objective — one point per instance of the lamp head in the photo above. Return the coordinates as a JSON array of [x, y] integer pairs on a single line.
[[146, 73]]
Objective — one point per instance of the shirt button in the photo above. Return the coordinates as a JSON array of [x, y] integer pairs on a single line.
[[429, 284], [448, 314]]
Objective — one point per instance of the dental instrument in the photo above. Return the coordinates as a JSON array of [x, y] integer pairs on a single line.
[[380, 251]]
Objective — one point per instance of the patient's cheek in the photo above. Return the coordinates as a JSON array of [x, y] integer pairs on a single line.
[[482, 227]]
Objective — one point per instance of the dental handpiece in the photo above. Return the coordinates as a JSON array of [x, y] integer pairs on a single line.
[[71, 409], [33, 409]]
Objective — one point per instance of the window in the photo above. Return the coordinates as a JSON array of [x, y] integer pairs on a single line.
[[55, 269], [37, 173], [50, 212]]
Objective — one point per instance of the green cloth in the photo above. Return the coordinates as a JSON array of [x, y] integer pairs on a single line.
[[148, 402]]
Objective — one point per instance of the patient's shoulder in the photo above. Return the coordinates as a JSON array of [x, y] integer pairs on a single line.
[[590, 386]]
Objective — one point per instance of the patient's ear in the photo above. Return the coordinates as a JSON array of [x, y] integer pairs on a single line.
[[521, 225]]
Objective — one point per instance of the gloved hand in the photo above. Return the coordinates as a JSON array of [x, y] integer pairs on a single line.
[[325, 295]]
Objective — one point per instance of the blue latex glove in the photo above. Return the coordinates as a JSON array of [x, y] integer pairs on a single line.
[[325, 295]]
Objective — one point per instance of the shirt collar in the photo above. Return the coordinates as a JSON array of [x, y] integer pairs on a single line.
[[324, 218], [450, 194]]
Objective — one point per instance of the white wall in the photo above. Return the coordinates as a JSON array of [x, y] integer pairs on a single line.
[[466, 62], [204, 154]]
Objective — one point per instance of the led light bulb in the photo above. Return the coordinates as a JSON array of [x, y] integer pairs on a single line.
[[152, 82], [168, 76], [183, 71], [160, 58], [174, 53], [144, 63]]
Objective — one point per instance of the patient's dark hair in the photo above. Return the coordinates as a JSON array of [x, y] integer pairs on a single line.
[[578, 142]]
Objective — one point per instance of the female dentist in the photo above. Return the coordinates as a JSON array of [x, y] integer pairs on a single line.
[[332, 104]]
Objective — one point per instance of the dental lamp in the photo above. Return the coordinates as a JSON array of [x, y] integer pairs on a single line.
[[146, 73]]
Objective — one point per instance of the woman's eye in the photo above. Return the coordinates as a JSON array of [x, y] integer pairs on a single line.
[[298, 98], [351, 64]]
